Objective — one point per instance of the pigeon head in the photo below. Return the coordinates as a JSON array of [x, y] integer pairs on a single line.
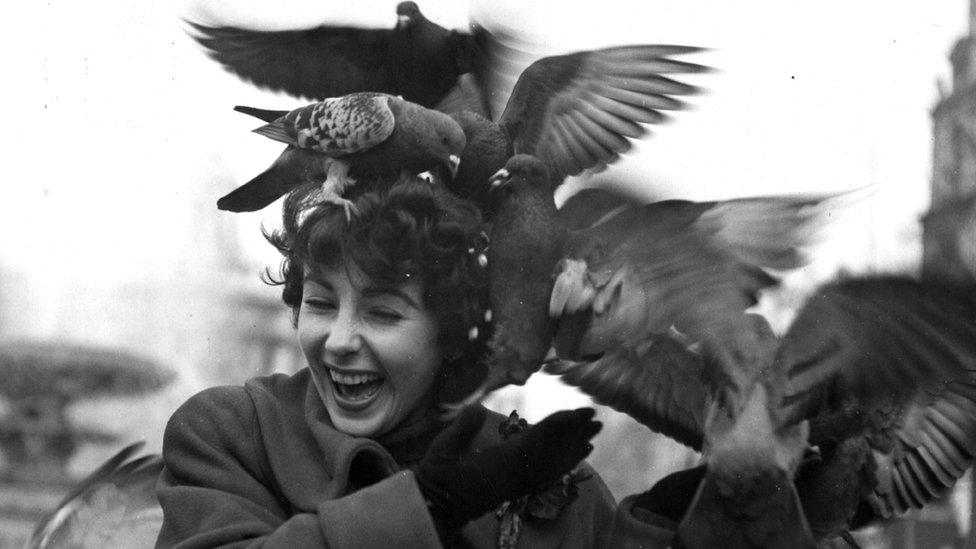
[[523, 176], [446, 140], [521, 170], [407, 14]]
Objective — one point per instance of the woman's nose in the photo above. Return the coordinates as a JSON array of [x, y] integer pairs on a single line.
[[343, 337]]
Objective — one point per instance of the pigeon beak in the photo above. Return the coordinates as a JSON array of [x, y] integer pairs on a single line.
[[453, 162], [403, 20], [500, 179]]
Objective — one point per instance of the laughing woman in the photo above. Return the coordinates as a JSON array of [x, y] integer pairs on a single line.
[[350, 451]]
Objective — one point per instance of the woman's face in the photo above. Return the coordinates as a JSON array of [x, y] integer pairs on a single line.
[[372, 350]]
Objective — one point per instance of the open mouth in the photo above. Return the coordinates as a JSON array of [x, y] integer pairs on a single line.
[[355, 387]]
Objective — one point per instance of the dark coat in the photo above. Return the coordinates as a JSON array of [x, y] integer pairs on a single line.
[[262, 466]]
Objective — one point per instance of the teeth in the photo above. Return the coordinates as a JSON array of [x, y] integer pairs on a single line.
[[352, 379]]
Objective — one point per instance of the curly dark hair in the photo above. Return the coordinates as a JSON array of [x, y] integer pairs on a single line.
[[410, 229]]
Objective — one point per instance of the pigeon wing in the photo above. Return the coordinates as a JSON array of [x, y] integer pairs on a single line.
[[115, 506], [577, 111], [871, 338], [657, 383], [320, 62], [336, 126], [629, 283], [694, 266], [935, 443]]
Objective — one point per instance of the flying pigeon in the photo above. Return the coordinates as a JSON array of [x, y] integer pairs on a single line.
[[694, 266], [115, 506], [575, 112], [417, 59], [865, 408], [339, 140]]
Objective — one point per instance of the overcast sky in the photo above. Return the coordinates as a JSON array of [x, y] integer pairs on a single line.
[[119, 121]]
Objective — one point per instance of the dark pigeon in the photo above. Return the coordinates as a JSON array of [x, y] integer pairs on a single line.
[[417, 59]]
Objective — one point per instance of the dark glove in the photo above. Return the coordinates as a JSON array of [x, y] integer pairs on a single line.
[[463, 486], [671, 496]]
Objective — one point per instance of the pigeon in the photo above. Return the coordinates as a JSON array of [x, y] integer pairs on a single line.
[[575, 112], [339, 140], [417, 59], [865, 408], [643, 270], [114, 506]]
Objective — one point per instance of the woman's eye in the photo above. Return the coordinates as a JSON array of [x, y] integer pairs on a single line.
[[319, 304], [385, 315]]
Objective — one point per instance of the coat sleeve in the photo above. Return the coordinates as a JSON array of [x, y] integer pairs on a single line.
[[630, 528], [215, 490], [639, 529]]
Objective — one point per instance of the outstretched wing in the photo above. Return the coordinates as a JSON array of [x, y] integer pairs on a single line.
[[936, 444], [658, 383], [870, 338], [115, 506], [637, 289], [694, 266], [316, 63], [892, 360], [577, 111]]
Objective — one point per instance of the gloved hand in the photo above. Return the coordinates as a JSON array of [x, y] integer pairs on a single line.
[[461, 486], [671, 496]]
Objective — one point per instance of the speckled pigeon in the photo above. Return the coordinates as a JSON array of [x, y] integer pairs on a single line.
[[417, 59], [339, 140]]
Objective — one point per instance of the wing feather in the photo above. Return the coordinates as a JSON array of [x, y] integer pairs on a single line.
[[617, 89], [657, 384], [320, 62], [870, 338], [115, 505]]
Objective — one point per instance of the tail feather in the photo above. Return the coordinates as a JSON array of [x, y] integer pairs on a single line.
[[723, 516], [276, 132], [257, 193], [266, 115]]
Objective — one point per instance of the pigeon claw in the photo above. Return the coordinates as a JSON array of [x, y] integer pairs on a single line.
[[347, 205]]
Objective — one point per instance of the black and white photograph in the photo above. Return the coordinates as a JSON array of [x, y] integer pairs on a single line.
[[489, 274]]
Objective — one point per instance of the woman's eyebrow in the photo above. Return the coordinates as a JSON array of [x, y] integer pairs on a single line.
[[319, 282], [379, 291]]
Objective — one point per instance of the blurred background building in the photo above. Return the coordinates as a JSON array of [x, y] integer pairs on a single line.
[[112, 241], [949, 245]]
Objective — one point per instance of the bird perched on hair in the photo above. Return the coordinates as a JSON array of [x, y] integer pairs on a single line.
[[114, 506], [863, 409], [638, 273], [575, 112], [417, 59], [339, 140]]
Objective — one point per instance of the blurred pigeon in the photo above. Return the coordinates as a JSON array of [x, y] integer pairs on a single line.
[[574, 112], [630, 277], [864, 409], [338, 140], [417, 59], [115, 506]]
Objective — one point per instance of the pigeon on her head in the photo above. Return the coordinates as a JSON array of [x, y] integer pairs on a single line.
[[339, 140], [417, 59]]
